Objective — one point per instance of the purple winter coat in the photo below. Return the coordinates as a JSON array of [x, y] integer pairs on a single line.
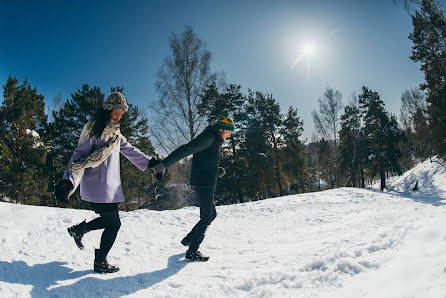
[[103, 183]]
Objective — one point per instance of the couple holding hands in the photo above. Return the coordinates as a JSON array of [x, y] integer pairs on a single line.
[[95, 167]]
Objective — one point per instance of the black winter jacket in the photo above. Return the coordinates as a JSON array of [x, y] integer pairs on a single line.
[[206, 150]]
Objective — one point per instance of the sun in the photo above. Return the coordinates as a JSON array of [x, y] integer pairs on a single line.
[[305, 53], [308, 49]]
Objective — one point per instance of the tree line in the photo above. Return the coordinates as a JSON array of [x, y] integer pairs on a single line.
[[266, 156]]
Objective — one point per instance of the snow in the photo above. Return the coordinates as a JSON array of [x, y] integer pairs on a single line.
[[33, 133], [36, 137], [346, 242]]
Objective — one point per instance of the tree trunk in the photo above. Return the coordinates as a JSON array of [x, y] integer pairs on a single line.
[[382, 176], [362, 175]]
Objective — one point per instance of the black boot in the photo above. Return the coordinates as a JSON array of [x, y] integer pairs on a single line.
[[196, 256], [101, 265], [77, 232]]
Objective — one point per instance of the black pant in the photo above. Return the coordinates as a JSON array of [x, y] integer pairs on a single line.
[[205, 197], [110, 222]]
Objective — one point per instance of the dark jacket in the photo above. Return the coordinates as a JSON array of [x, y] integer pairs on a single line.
[[206, 150]]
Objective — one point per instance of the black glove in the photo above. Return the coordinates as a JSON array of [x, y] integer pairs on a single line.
[[221, 172], [153, 162], [63, 187], [157, 168]]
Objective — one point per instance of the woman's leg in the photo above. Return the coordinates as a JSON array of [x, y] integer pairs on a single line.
[[112, 223]]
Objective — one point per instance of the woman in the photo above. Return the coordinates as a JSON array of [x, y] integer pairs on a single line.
[[95, 167]]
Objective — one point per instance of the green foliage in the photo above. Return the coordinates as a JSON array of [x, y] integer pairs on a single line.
[[22, 155], [429, 39], [352, 148], [265, 155], [382, 135]]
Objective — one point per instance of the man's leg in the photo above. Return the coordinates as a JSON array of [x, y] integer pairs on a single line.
[[208, 213]]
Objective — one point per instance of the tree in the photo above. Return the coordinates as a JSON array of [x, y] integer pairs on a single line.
[[414, 118], [181, 80], [326, 122], [22, 152], [294, 154], [429, 39], [382, 134], [349, 147]]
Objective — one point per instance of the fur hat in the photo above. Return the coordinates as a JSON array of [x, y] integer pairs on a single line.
[[116, 101], [224, 122]]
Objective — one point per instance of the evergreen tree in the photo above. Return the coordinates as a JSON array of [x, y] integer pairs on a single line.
[[429, 39], [350, 149], [294, 155], [22, 153], [383, 135]]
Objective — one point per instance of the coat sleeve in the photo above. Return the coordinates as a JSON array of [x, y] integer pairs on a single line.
[[198, 144], [82, 150], [134, 155]]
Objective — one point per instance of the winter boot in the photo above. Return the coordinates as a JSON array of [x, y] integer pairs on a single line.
[[101, 265], [77, 232], [196, 256]]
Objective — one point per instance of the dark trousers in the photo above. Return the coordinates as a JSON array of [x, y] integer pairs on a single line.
[[205, 198], [110, 222]]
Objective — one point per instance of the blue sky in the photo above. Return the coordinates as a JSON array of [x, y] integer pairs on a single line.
[[60, 45]]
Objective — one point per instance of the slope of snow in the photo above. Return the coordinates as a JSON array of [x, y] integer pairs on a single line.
[[340, 243]]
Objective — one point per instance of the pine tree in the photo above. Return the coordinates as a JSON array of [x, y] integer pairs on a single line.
[[382, 134], [429, 39], [294, 154], [349, 147], [22, 155]]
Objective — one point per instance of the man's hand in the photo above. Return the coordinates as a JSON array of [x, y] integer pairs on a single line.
[[157, 168], [63, 187]]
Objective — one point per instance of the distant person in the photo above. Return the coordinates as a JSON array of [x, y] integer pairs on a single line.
[[95, 167], [205, 169]]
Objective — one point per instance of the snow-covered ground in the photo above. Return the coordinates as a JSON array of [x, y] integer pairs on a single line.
[[340, 243]]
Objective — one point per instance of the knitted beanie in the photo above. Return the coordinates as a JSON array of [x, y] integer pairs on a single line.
[[116, 101], [224, 122]]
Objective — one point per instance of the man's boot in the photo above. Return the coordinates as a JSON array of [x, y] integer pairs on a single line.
[[195, 256], [77, 232], [101, 265]]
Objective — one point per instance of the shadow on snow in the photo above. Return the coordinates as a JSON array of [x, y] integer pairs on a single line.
[[43, 276]]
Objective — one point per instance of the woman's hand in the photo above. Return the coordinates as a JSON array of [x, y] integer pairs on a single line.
[[62, 189]]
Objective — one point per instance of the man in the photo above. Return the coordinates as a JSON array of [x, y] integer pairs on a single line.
[[205, 169]]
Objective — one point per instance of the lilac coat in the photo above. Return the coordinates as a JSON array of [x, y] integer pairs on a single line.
[[103, 184]]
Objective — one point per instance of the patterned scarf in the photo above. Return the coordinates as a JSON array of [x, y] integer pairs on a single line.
[[100, 155]]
